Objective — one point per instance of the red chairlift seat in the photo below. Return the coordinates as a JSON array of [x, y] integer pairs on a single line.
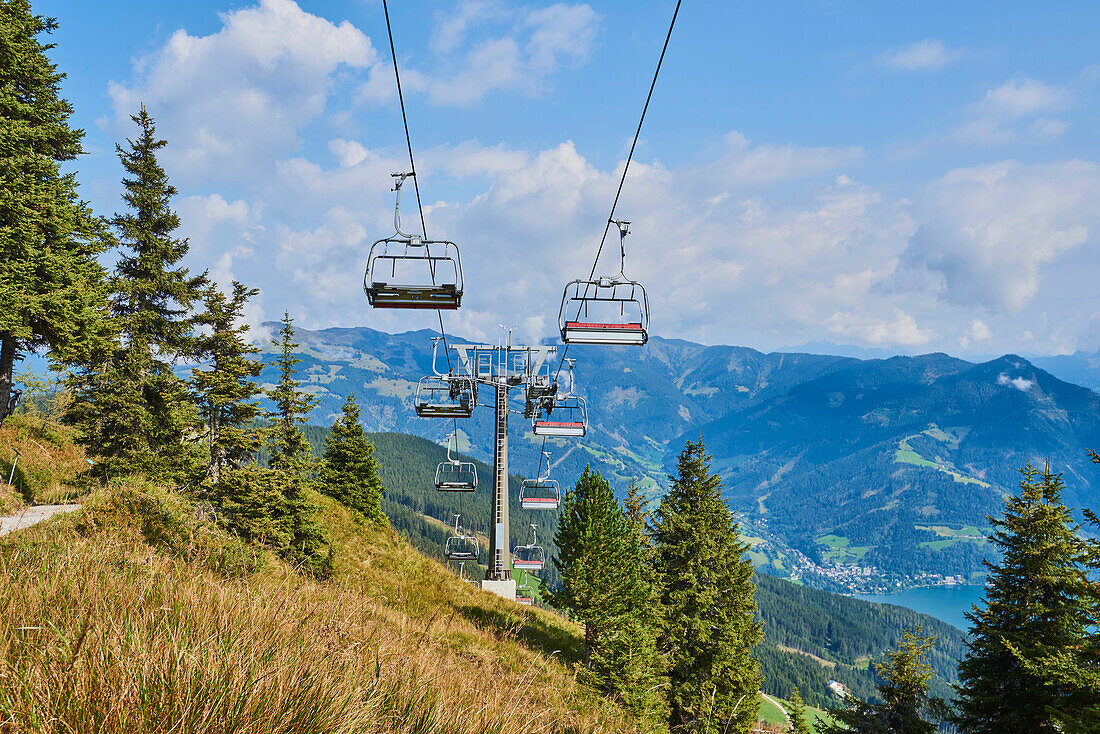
[[608, 310], [604, 311], [541, 493], [565, 416], [525, 596], [530, 557]]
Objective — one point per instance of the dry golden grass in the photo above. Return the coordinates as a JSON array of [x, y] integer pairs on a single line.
[[102, 631], [48, 463]]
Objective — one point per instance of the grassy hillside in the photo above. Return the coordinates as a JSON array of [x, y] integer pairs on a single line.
[[139, 614], [48, 461]]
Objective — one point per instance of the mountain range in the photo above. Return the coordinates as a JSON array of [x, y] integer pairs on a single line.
[[850, 473]]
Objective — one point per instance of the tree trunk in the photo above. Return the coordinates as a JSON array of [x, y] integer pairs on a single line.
[[217, 451], [7, 364]]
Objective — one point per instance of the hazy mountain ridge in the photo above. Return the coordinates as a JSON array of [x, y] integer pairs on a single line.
[[892, 463]]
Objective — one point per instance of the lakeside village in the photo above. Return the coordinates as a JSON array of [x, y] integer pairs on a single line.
[[833, 575]]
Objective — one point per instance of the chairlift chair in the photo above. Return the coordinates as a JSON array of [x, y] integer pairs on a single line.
[[454, 475], [608, 310], [461, 546], [525, 595], [542, 493], [407, 271], [449, 396], [530, 557], [564, 416]]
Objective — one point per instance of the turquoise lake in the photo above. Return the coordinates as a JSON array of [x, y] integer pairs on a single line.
[[947, 603]]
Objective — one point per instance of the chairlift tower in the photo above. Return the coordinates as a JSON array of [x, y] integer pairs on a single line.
[[502, 367]]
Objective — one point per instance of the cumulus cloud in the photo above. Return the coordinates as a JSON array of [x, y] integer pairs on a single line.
[[231, 100], [901, 329], [486, 46], [990, 229], [928, 55], [707, 241], [977, 333]]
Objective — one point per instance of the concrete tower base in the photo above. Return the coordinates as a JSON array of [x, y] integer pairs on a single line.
[[505, 588]]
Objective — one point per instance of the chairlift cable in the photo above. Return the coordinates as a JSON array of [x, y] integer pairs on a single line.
[[412, 164], [629, 158]]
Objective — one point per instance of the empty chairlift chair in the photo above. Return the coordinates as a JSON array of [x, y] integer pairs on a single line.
[[461, 546], [542, 493], [565, 416], [525, 595], [448, 396], [562, 415], [454, 475], [530, 557], [407, 271], [608, 310]]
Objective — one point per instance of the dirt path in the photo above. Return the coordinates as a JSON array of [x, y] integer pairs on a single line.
[[32, 516]]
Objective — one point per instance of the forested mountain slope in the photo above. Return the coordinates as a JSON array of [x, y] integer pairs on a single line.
[[834, 462]]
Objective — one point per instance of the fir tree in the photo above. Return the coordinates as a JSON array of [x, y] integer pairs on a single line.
[[291, 457], [227, 391], [136, 414], [52, 292], [903, 688], [799, 724], [708, 599], [1037, 607], [350, 471]]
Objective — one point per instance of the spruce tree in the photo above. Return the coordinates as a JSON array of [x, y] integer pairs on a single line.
[[350, 471], [1037, 607], [903, 688], [52, 292], [290, 455], [592, 540], [137, 415], [1075, 671], [799, 723], [227, 390], [608, 585], [635, 668], [707, 595]]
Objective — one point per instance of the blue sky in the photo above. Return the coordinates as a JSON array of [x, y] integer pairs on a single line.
[[914, 178]]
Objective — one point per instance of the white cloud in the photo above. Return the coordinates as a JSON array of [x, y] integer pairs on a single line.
[[901, 329], [999, 117], [1020, 97], [517, 49], [977, 333], [231, 100], [1020, 383], [989, 230], [928, 55]]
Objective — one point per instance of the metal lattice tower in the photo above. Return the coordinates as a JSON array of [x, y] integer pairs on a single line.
[[501, 367]]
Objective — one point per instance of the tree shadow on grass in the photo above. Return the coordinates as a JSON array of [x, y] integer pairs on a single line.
[[529, 629]]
